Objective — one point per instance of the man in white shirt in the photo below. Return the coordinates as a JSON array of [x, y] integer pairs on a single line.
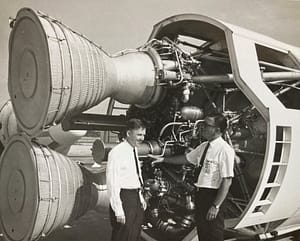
[[124, 184], [215, 161]]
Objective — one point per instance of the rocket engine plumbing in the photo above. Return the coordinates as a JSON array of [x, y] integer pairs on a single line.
[[180, 75], [174, 127]]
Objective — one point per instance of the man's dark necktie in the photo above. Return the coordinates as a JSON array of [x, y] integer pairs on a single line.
[[137, 167], [197, 170]]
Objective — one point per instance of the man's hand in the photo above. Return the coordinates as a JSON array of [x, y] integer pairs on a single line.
[[157, 159], [121, 219], [212, 213], [144, 204]]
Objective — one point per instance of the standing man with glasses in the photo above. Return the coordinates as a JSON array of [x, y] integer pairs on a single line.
[[214, 161], [124, 184]]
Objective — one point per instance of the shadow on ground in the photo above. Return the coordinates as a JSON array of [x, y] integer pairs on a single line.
[[93, 226]]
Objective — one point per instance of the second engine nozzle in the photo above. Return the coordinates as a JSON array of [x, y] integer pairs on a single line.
[[55, 72]]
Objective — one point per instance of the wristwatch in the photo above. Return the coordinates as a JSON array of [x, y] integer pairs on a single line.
[[216, 206]]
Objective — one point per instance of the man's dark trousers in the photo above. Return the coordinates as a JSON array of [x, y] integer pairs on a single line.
[[134, 215], [208, 230]]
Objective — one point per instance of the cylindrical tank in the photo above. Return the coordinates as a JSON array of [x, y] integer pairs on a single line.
[[191, 113], [55, 72], [41, 190]]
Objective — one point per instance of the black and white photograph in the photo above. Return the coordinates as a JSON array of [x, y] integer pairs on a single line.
[[149, 120]]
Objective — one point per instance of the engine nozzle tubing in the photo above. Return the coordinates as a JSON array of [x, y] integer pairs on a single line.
[[69, 77], [228, 78], [169, 124]]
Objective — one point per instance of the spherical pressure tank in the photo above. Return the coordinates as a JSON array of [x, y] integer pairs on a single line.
[[41, 190]]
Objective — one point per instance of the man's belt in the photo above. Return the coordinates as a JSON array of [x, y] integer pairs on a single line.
[[205, 189], [131, 189]]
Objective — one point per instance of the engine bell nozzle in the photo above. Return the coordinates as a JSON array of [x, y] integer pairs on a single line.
[[55, 72]]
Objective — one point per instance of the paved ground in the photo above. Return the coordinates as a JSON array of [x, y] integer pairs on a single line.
[[93, 226]]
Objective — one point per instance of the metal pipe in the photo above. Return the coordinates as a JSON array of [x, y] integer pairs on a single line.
[[95, 122], [271, 76], [167, 125], [151, 147], [282, 91], [278, 66], [228, 78]]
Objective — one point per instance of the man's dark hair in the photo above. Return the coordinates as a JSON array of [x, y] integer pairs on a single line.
[[220, 121], [134, 124]]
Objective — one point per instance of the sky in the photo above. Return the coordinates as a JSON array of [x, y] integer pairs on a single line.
[[126, 24]]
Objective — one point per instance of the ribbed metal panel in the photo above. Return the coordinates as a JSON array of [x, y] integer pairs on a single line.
[[59, 196], [53, 181], [55, 72], [60, 180], [4, 118], [8, 123], [84, 62], [65, 71]]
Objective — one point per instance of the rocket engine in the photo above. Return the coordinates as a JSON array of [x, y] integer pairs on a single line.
[[55, 72], [54, 137], [190, 67]]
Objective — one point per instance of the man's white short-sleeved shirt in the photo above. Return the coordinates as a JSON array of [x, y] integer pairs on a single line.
[[218, 163]]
